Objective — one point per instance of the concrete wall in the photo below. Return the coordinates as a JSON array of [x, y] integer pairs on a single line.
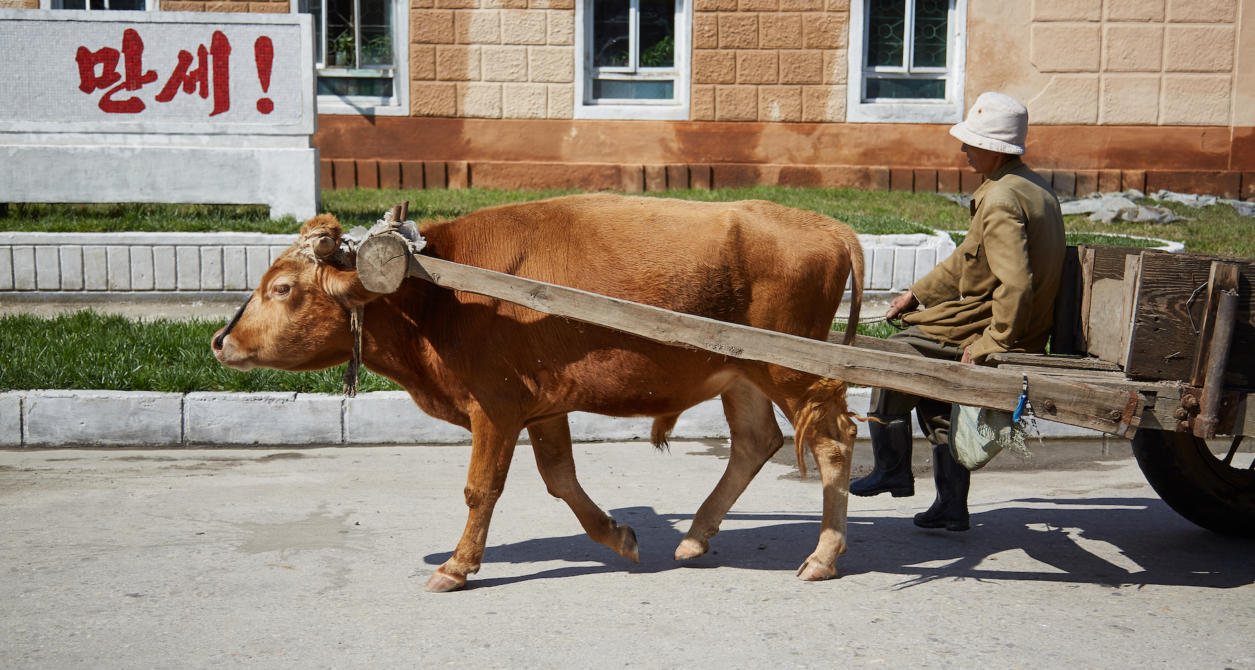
[[770, 60], [1114, 62], [126, 262], [101, 263], [140, 419], [492, 59]]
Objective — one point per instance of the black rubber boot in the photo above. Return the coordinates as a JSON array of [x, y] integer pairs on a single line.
[[891, 449], [949, 510]]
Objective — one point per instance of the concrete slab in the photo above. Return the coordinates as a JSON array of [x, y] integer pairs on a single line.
[[10, 419], [262, 418], [71, 267], [164, 276], [47, 268], [95, 269], [142, 269], [391, 417], [23, 268], [317, 558], [119, 268], [104, 418], [6, 269]]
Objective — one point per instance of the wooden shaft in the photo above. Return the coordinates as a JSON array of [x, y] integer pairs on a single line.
[[1217, 361], [384, 262]]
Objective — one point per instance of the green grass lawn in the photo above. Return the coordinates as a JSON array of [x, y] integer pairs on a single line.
[[87, 350], [1214, 230]]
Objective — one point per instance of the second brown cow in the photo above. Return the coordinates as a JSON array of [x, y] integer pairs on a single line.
[[497, 369]]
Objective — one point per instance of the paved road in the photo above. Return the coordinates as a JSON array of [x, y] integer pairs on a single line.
[[317, 558]]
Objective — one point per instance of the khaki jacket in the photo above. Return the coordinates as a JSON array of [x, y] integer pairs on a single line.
[[996, 292]]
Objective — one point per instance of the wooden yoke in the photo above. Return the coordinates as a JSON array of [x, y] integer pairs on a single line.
[[384, 262]]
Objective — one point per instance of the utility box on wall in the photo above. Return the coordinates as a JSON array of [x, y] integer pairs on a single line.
[[174, 107]]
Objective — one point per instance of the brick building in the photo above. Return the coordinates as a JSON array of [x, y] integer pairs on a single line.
[[653, 94]]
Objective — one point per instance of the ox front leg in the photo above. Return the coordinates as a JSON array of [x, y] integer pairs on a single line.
[[551, 441], [492, 447], [755, 437], [833, 448]]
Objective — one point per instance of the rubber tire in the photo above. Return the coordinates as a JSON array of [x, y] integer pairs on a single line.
[[1197, 484]]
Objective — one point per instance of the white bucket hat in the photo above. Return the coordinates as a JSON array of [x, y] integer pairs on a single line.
[[996, 122]]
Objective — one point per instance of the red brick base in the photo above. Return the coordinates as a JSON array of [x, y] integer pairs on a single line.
[[365, 174]]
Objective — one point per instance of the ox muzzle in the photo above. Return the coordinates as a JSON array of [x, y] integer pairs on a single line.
[[218, 341]]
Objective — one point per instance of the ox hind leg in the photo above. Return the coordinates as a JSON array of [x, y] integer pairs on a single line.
[[492, 447], [817, 408], [755, 437], [551, 442]]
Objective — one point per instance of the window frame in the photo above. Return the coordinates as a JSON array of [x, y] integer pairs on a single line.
[[399, 103], [676, 109], [949, 110], [149, 6]]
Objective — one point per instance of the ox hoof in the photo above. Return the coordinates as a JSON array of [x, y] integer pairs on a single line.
[[690, 548], [443, 583], [627, 544], [814, 571]]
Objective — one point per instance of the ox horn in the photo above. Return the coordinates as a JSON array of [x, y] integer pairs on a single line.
[[324, 247]]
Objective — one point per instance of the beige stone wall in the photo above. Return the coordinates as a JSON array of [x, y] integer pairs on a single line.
[[19, 4], [1111, 62], [512, 59], [271, 7], [769, 60]]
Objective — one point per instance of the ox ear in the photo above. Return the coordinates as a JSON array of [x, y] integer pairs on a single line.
[[344, 287]]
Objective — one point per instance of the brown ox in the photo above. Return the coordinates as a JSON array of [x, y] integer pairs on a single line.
[[496, 368]]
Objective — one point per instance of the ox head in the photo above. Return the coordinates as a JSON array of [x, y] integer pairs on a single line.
[[298, 318]]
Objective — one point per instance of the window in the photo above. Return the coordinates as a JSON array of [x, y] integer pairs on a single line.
[[120, 5], [634, 62], [907, 61], [359, 46]]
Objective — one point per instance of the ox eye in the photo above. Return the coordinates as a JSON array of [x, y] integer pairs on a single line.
[[281, 289]]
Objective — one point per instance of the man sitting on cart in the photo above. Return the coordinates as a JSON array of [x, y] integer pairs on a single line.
[[994, 294]]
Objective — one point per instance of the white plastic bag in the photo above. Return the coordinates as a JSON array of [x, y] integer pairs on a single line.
[[977, 435]]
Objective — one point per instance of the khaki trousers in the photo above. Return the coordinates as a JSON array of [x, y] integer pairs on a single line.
[[933, 415]]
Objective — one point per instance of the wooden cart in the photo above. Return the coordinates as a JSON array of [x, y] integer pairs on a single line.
[[1157, 347]]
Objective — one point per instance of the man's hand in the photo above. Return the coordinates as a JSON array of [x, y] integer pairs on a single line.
[[967, 355], [901, 305]]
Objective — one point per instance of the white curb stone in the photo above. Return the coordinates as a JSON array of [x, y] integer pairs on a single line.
[[104, 418], [10, 419], [391, 417], [262, 418], [71, 268]]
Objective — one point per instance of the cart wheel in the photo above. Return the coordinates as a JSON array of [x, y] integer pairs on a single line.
[[1200, 486]]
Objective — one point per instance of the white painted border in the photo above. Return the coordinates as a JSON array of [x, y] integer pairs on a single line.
[[331, 104], [858, 111], [645, 112], [36, 418], [309, 113]]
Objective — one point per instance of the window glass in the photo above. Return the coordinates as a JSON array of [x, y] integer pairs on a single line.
[[341, 43], [904, 89], [886, 28], [346, 86], [633, 90], [932, 30], [355, 48], [376, 32], [657, 33], [611, 31]]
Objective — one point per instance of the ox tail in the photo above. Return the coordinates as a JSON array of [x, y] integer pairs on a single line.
[[660, 433], [824, 400], [855, 250]]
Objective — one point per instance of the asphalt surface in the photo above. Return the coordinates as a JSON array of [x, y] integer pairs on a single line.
[[317, 558]]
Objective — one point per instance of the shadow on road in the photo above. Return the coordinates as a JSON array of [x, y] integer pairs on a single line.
[[1111, 542]]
